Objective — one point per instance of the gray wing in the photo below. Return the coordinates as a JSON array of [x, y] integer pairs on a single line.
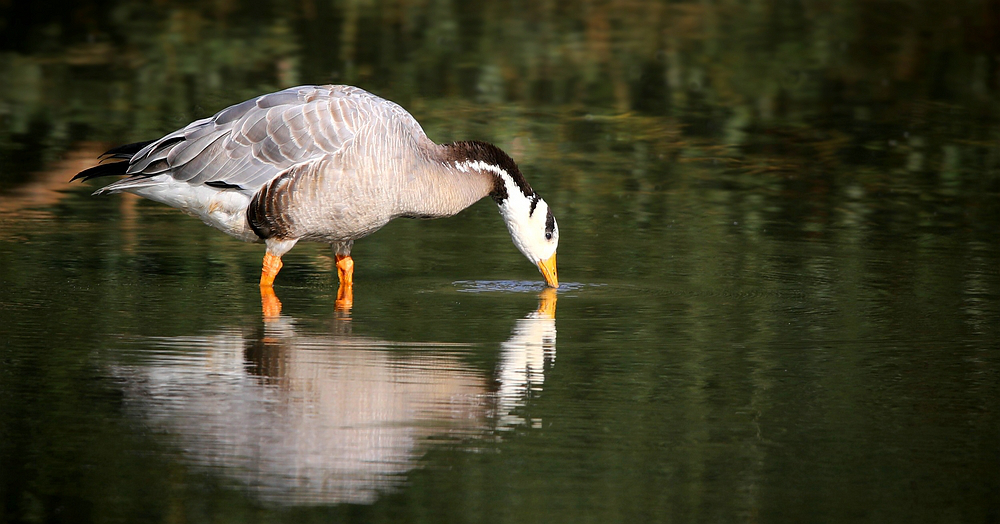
[[246, 145]]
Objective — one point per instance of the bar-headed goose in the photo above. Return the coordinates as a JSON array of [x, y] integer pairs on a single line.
[[329, 164]]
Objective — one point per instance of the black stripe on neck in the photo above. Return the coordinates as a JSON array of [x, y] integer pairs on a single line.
[[534, 204], [474, 150]]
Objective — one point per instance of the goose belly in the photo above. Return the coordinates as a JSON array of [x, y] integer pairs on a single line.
[[340, 219], [330, 205], [223, 209]]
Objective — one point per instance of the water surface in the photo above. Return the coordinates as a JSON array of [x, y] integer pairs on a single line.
[[778, 245]]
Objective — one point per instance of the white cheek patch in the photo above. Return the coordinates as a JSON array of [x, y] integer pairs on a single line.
[[525, 216], [514, 215], [527, 230]]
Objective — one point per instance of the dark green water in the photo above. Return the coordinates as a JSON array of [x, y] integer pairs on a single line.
[[779, 254]]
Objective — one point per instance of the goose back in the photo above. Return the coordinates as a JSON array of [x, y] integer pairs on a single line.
[[247, 145]]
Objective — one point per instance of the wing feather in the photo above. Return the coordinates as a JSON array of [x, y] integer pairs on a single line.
[[183, 153], [152, 153], [253, 128], [278, 133], [207, 164], [234, 113], [314, 129]]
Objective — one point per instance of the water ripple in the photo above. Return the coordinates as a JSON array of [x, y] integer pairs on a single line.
[[513, 286]]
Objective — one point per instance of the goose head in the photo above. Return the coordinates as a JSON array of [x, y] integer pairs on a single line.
[[529, 220], [534, 231]]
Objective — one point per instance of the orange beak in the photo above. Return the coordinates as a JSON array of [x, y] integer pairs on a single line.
[[548, 269]]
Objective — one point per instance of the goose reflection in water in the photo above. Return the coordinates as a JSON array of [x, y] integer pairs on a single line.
[[305, 418]]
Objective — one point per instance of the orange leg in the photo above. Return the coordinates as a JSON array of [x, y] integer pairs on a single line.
[[272, 265], [345, 269], [345, 272]]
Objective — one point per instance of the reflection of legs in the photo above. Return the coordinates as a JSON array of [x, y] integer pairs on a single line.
[[269, 303], [345, 272]]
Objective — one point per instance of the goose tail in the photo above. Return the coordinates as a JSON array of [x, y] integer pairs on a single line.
[[118, 165], [120, 155]]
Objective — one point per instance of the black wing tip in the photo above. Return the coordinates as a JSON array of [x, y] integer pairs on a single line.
[[222, 184], [109, 169], [122, 152]]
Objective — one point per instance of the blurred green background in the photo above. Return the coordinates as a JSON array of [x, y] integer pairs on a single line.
[[801, 88]]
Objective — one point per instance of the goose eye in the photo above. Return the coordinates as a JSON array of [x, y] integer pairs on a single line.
[[548, 235]]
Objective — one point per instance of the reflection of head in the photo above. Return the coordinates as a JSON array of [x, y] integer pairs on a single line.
[[523, 357]]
